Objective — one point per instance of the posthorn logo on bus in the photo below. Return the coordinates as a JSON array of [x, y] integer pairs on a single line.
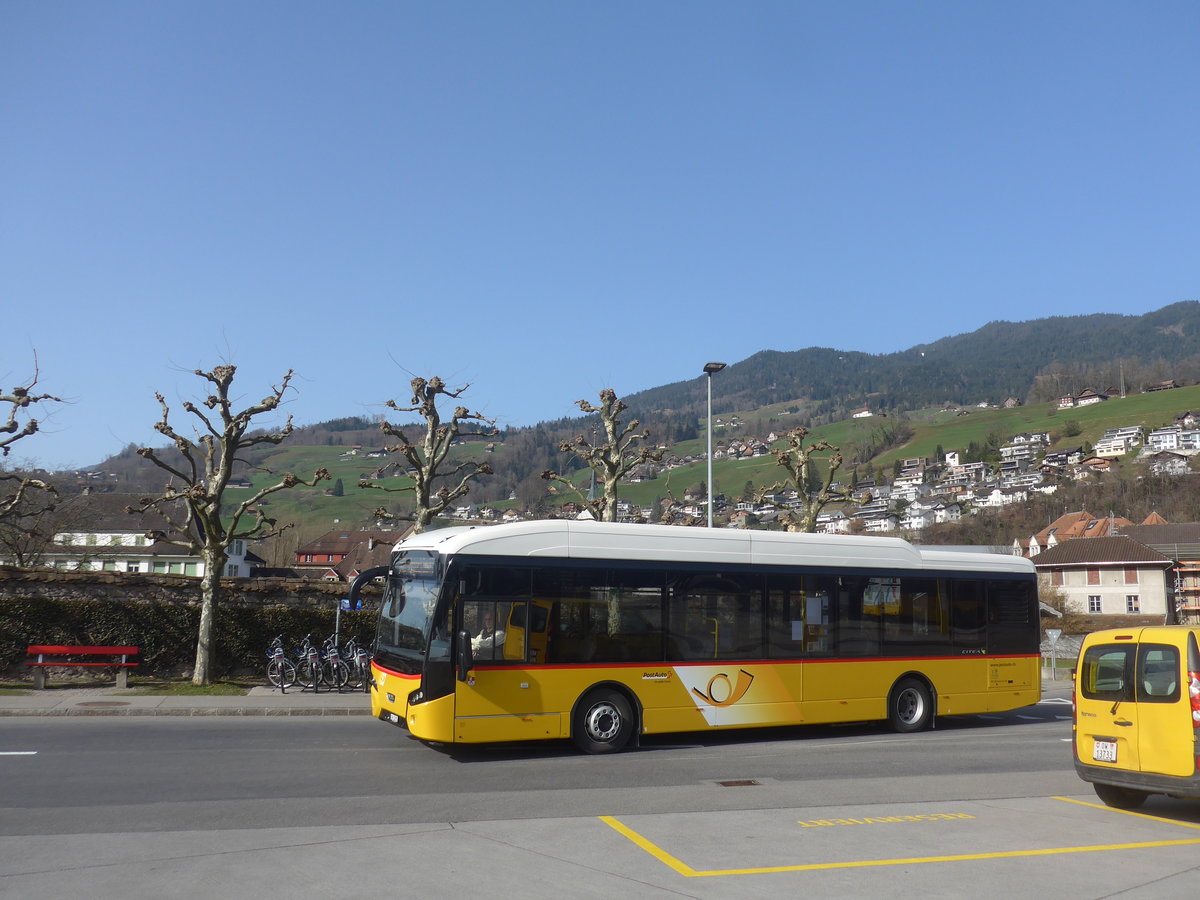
[[720, 691]]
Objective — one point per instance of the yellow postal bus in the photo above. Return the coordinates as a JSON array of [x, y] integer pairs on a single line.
[[602, 633]]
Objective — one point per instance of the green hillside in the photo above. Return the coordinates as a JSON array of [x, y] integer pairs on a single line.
[[315, 511]]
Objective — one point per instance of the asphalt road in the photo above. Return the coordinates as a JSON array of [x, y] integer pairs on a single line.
[[151, 774], [232, 807]]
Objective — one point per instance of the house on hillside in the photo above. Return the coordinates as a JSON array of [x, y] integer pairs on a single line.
[[836, 522], [1093, 464], [1167, 463], [1174, 437], [1060, 459]]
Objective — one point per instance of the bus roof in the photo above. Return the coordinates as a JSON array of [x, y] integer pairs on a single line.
[[574, 539]]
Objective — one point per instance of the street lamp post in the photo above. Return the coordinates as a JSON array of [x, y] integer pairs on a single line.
[[711, 369]]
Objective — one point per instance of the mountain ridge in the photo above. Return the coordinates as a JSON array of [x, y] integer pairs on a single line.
[[1026, 360]]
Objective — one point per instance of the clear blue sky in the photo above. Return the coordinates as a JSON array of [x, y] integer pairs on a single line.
[[549, 198]]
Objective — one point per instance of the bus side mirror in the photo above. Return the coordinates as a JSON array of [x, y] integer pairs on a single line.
[[463, 648], [353, 601]]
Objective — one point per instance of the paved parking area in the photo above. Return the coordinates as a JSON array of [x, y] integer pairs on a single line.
[[861, 837], [1069, 846]]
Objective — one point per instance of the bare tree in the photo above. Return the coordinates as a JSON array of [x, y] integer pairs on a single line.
[[423, 462], [191, 501], [611, 460], [25, 500], [813, 493]]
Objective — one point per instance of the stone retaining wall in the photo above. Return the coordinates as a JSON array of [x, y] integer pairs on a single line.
[[174, 589]]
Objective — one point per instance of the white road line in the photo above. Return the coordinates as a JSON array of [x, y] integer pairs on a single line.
[[18, 753]]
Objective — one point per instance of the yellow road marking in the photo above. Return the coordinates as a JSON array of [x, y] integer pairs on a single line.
[[653, 849], [1128, 812], [687, 871]]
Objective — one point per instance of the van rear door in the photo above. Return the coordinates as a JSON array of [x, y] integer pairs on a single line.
[[1106, 720], [1164, 713]]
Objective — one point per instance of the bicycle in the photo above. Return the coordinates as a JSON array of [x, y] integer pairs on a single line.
[[359, 661], [334, 670], [308, 669], [280, 671]]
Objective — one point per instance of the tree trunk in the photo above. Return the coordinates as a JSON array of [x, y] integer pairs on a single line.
[[210, 590]]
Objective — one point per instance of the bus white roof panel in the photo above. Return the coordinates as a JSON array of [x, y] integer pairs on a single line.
[[570, 539]]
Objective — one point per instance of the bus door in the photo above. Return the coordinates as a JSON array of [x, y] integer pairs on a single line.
[[500, 698]]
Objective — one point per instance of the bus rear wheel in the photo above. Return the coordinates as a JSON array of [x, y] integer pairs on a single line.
[[910, 707], [1119, 797], [603, 722]]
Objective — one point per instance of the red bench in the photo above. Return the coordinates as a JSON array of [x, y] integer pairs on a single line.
[[42, 658]]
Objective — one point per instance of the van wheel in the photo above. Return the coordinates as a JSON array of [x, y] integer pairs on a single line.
[[1119, 797], [603, 722], [910, 708]]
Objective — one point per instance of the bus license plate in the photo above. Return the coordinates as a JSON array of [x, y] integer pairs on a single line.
[[1104, 751]]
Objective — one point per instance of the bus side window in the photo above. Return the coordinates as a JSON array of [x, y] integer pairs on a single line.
[[716, 617], [798, 616], [968, 614]]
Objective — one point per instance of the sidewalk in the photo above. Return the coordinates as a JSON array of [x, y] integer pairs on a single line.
[[260, 701], [112, 701]]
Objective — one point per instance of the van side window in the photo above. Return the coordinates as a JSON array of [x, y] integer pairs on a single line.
[[1106, 672], [1158, 673]]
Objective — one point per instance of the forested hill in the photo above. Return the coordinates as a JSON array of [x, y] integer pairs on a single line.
[[1034, 361]]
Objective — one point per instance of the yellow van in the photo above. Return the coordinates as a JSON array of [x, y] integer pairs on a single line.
[[1137, 713]]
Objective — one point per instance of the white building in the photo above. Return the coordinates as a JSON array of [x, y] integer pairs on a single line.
[[105, 538]]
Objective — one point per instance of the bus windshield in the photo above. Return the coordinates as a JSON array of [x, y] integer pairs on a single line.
[[407, 610]]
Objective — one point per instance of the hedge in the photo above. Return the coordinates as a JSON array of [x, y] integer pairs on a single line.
[[166, 633]]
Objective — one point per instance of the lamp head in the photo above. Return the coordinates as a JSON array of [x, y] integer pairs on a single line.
[[713, 368]]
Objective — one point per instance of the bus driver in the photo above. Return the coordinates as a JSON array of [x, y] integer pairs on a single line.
[[489, 638]]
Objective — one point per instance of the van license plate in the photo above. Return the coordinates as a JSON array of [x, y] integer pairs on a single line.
[[1104, 751]]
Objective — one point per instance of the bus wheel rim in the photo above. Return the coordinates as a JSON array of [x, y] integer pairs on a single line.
[[603, 722], [910, 706]]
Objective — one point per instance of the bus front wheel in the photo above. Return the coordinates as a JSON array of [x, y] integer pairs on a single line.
[[603, 722], [910, 707]]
